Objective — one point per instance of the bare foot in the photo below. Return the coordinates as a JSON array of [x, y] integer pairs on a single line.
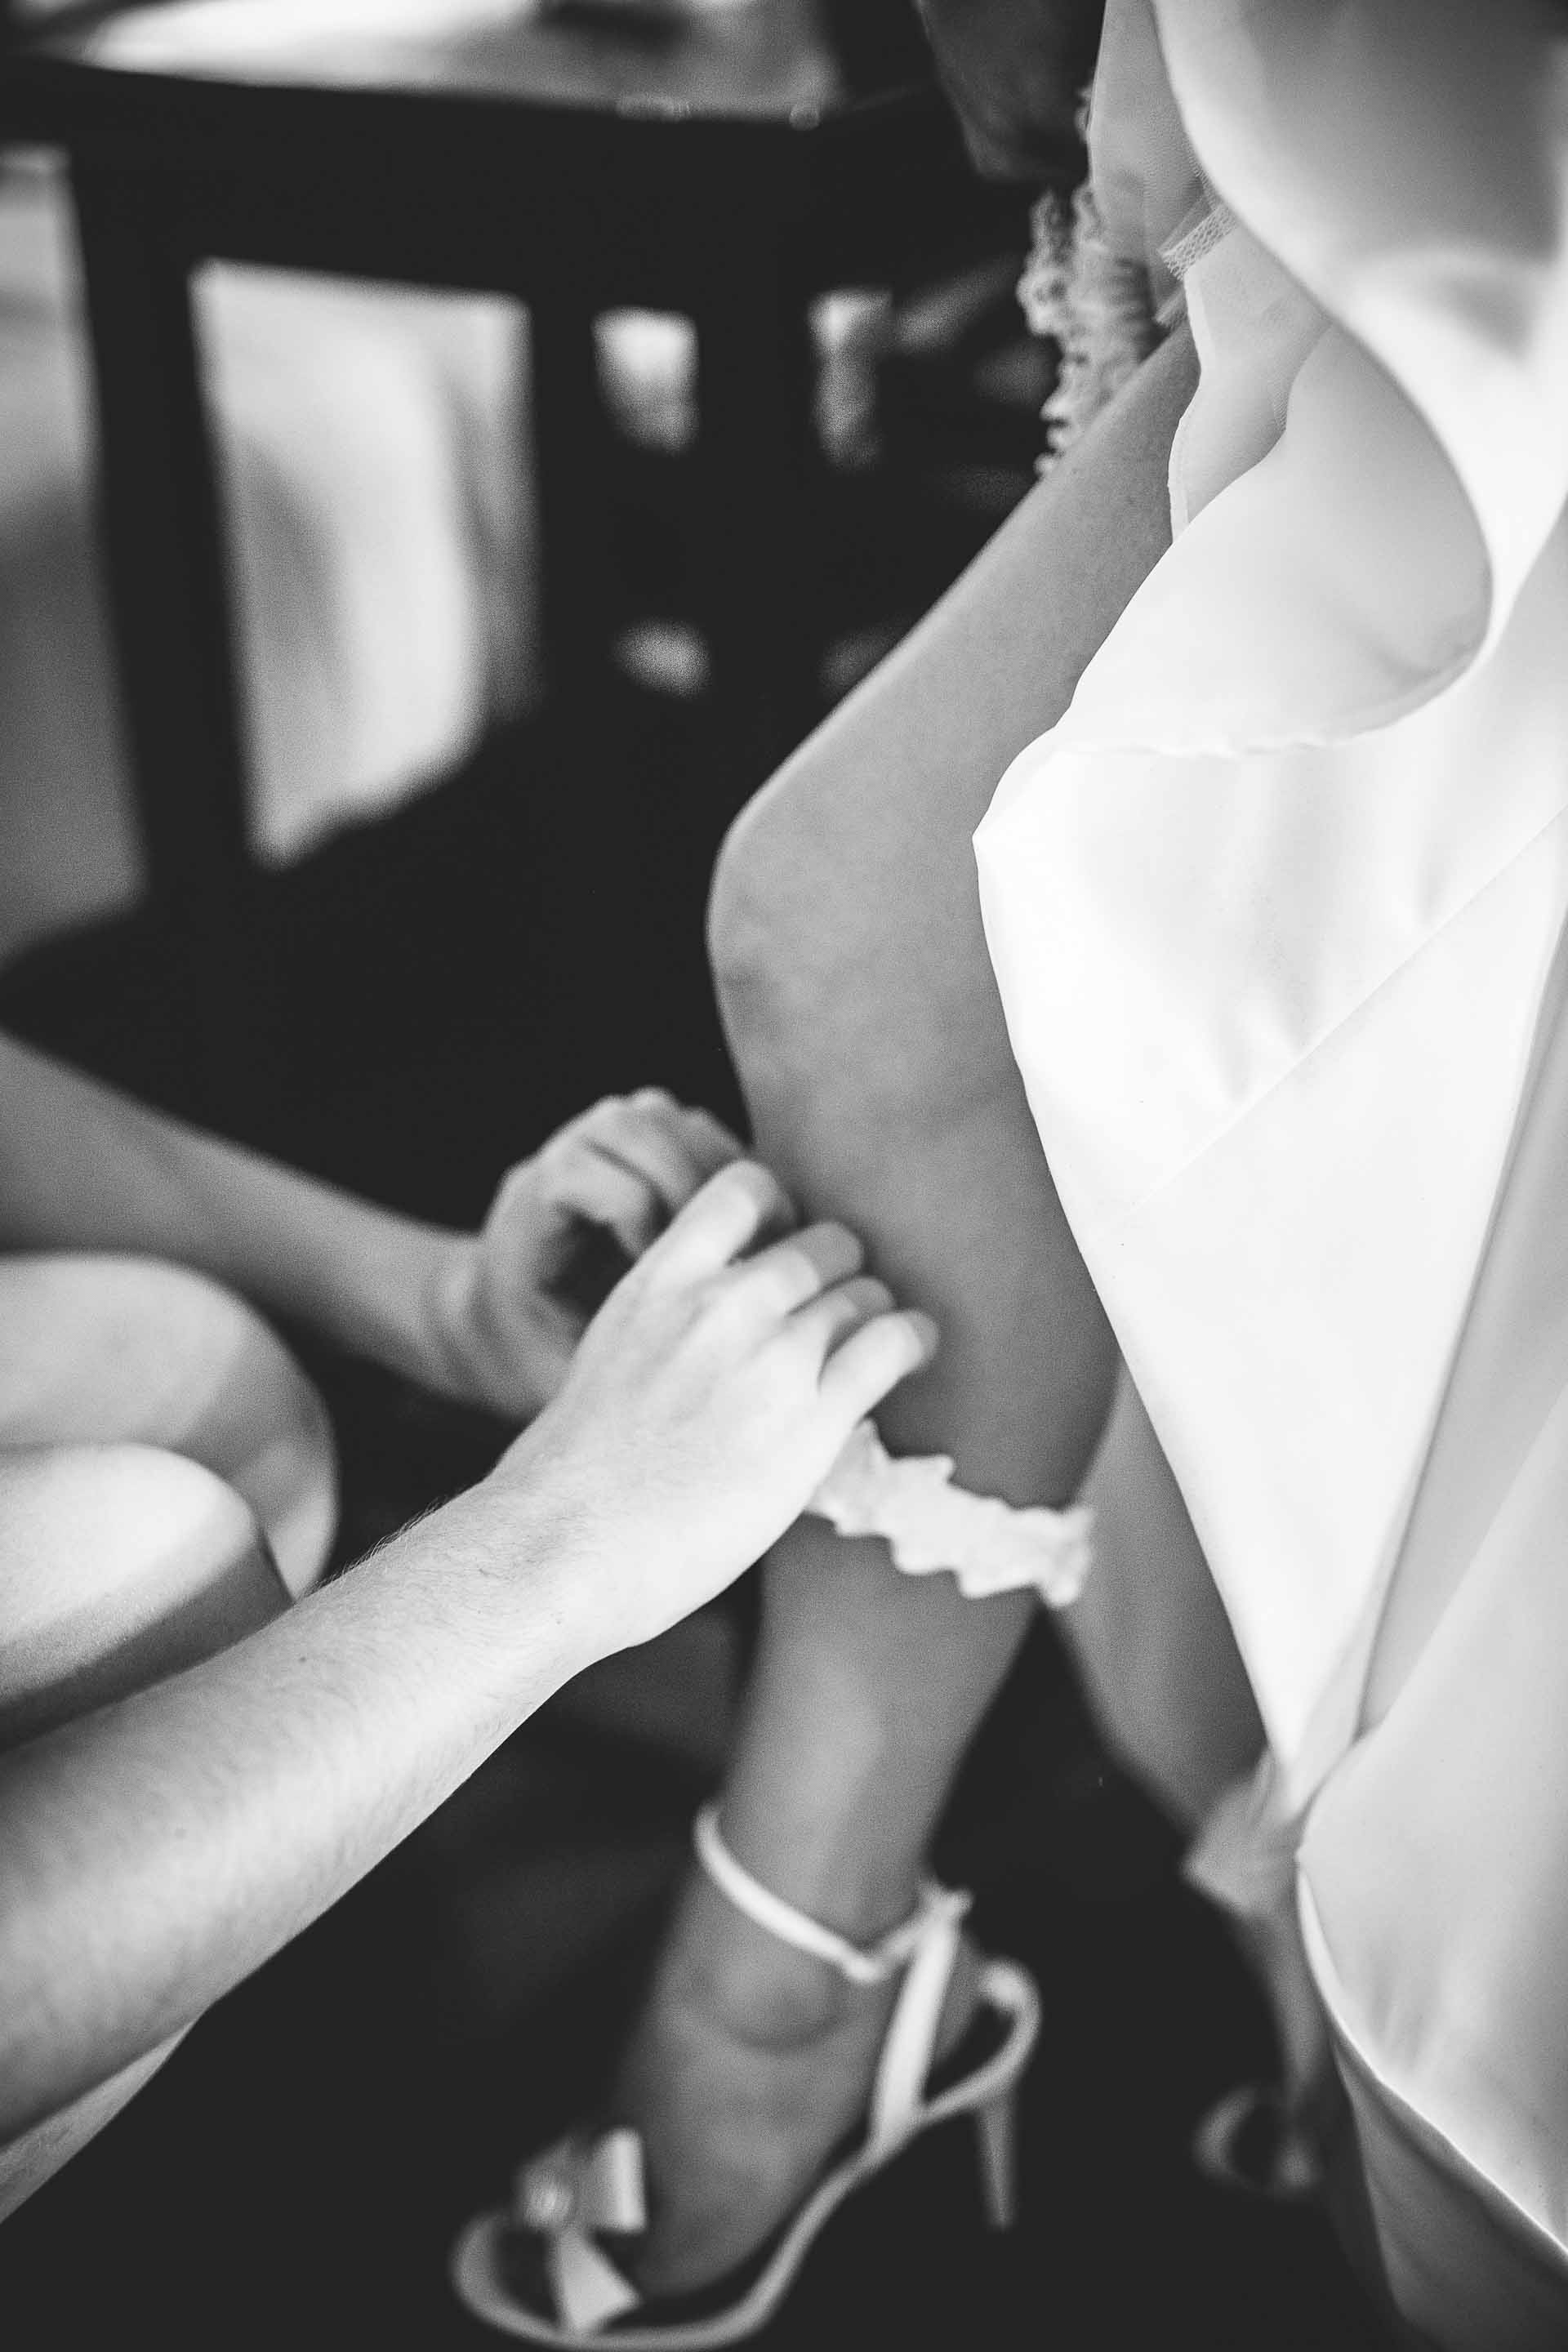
[[750, 2062]]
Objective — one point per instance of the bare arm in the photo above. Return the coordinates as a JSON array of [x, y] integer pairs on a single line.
[[155, 1851], [82, 1167], [486, 1317]]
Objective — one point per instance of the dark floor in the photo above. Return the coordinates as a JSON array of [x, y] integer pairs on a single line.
[[448, 986]]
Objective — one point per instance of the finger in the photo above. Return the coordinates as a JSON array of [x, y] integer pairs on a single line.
[[874, 1359], [791, 1272], [829, 1318], [651, 1139], [710, 1140], [711, 1143], [573, 1175], [584, 1186], [744, 1204]]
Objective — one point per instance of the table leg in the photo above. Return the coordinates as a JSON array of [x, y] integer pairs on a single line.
[[170, 599], [572, 465], [759, 554]]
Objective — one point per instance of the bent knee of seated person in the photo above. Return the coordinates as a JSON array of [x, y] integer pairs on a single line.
[[104, 1349], [118, 1564]]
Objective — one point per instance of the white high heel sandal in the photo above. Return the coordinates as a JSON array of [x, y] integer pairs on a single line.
[[567, 2195]]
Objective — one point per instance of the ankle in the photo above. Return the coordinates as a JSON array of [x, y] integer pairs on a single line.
[[794, 2009], [758, 1991], [856, 1892]]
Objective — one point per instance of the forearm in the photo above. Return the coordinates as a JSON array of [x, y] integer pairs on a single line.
[[154, 1854], [155, 1851], [82, 1167]]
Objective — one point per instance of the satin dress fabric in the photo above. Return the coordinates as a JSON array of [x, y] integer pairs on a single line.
[[1276, 913]]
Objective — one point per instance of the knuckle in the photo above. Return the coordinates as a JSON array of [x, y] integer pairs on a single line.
[[566, 1138], [788, 1266], [559, 1170], [519, 1181], [732, 1291], [571, 1148]]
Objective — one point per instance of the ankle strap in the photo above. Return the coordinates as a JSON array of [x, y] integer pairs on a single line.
[[861, 1964]]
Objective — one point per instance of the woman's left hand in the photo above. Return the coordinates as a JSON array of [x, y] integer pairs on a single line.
[[512, 1301]]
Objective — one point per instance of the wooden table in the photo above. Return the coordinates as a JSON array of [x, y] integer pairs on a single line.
[[730, 165]]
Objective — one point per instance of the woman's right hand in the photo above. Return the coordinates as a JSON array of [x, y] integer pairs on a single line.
[[709, 1396]]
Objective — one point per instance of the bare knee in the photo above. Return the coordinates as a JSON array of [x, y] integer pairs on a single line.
[[245, 1411], [120, 1564], [266, 1433], [113, 1349], [857, 998], [773, 956]]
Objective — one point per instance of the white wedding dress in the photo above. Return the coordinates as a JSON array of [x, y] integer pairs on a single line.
[[1278, 916]]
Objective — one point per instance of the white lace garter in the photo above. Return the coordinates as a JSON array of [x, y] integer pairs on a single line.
[[1093, 303], [931, 1524]]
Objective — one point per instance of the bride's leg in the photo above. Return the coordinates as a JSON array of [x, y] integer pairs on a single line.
[[859, 1000]]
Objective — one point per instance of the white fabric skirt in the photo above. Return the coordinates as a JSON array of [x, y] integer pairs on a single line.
[[1276, 913]]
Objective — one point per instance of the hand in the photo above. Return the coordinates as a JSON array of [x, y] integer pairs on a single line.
[[710, 1396], [513, 1301]]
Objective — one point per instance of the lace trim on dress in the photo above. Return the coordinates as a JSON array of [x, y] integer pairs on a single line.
[[1212, 227]]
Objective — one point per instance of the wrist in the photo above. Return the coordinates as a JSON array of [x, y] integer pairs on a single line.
[[404, 1305], [442, 1313], [555, 1567], [462, 1353]]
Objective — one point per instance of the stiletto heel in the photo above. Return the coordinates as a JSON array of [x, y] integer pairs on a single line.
[[996, 2147], [582, 2192]]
